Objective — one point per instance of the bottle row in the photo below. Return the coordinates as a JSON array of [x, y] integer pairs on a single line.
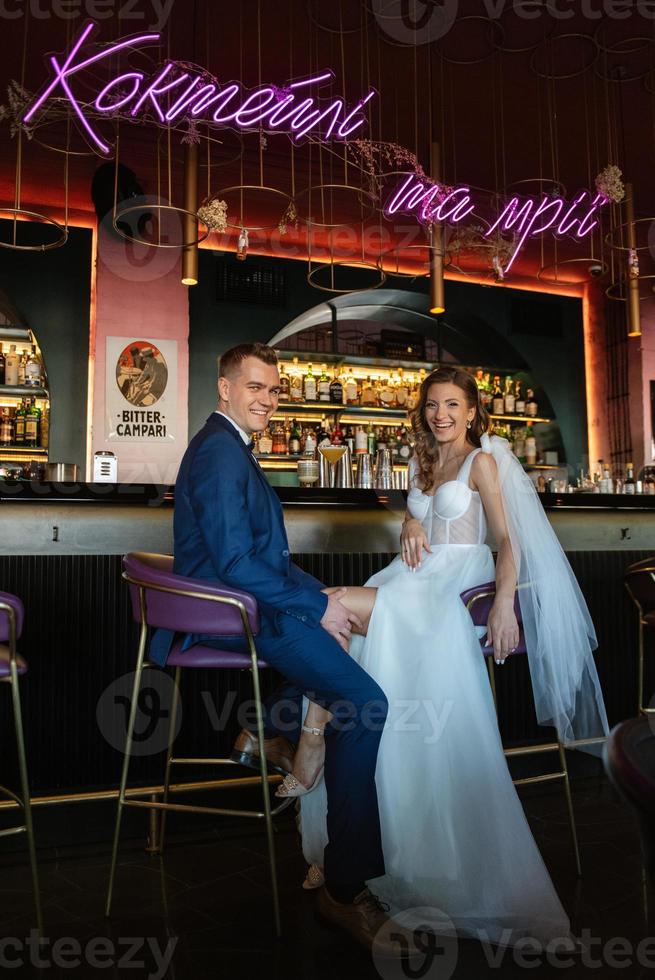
[[504, 396], [607, 480], [25, 426], [393, 389], [293, 439], [24, 368]]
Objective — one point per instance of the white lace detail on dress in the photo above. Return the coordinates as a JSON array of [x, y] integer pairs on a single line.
[[454, 514]]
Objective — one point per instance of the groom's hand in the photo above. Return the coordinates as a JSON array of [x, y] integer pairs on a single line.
[[337, 620]]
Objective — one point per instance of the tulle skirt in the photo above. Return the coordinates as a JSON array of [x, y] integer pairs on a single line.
[[454, 834]]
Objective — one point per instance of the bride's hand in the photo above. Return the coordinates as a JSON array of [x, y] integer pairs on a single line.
[[502, 629], [413, 540]]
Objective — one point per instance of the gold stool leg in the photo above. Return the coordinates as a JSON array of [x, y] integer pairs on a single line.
[[126, 761], [569, 804], [169, 754], [265, 792], [640, 670], [492, 680], [25, 791]]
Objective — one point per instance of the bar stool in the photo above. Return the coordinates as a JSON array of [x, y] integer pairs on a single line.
[[629, 757], [640, 583], [163, 599], [478, 601], [12, 666]]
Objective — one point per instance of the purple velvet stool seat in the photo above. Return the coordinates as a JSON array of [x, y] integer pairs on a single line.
[[12, 666], [162, 599], [630, 763], [640, 583], [479, 601]]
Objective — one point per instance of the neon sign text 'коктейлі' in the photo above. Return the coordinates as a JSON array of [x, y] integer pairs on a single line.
[[178, 91]]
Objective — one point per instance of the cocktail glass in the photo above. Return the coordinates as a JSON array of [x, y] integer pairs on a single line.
[[332, 455]]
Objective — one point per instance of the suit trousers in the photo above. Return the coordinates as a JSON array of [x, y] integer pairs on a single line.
[[314, 664]]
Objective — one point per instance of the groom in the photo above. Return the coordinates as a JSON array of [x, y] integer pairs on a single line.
[[229, 526]]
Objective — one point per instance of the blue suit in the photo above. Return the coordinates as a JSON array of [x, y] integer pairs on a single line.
[[229, 526]]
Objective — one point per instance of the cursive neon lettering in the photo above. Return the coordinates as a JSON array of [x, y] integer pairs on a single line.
[[174, 92], [522, 218], [116, 82]]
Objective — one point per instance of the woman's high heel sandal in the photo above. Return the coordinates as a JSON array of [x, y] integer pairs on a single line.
[[291, 785], [314, 878]]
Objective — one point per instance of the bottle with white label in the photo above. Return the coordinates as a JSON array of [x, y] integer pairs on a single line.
[[531, 406], [324, 385], [361, 440], [33, 369], [530, 446], [12, 361], [510, 398], [519, 400], [629, 486], [310, 385]]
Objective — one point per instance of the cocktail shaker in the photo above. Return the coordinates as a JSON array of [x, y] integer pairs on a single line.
[[364, 471], [383, 470]]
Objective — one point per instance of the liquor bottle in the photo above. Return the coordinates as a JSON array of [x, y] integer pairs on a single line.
[[519, 401], [22, 360], [498, 401], [279, 440], [285, 385], [309, 446], [387, 394], [402, 391], [352, 394], [361, 442], [629, 486], [413, 394], [32, 426], [510, 398], [324, 436], [11, 366], [369, 394], [310, 385], [2, 366], [531, 405], [6, 429], [371, 440], [394, 444], [350, 440], [606, 482], [404, 446], [45, 428], [265, 445], [324, 385], [336, 389], [19, 424], [337, 435], [295, 383], [33, 369], [486, 391], [294, 439], [381, 435], [530, 446]]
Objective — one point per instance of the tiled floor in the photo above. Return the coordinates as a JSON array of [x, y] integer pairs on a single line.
[[209, 898]]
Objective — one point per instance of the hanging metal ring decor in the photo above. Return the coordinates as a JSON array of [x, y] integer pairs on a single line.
[[34, 217], [596, 269], [119, 216]]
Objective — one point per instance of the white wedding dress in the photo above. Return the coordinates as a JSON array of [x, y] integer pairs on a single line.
[[454, 834]]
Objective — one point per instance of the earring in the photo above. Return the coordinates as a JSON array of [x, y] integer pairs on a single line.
[[469, 424]]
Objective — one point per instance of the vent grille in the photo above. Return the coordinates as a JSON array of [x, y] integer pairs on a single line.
[[251, 282]]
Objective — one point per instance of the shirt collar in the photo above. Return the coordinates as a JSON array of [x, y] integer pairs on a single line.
[[244, 435]]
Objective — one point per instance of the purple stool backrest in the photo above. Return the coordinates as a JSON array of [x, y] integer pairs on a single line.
[[10, 600], [185, 613], [640, 580], [479, 601]]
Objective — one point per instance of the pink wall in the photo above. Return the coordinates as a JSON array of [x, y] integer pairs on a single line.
[[140, 296]]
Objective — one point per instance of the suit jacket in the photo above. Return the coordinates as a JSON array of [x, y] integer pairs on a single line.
[[229, 526]]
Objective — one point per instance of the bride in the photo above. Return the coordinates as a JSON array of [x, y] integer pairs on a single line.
[[454, 834]]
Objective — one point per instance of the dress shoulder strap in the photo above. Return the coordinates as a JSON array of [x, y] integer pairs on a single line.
[[465, 469]]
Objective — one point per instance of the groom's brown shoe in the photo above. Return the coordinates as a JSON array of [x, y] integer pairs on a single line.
[[279, 752], [366, 920]]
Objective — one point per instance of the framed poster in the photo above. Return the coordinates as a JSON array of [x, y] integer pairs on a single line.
[[141, 390]]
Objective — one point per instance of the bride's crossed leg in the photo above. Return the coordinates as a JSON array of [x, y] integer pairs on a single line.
[[308, 760]]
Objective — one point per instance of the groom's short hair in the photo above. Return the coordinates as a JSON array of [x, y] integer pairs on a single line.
[[229, 363]]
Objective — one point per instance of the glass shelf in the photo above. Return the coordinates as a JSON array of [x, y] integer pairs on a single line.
[[21, 391], [361, 413], [26, 452]]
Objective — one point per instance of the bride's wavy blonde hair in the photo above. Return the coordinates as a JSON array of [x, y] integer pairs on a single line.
[[425, 443]]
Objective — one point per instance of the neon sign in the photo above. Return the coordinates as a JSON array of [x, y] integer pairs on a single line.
[[524, 218], [179, 91]]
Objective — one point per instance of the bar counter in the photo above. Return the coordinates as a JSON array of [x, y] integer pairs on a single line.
[[61, 547]]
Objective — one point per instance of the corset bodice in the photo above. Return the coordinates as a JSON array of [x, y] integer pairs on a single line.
[[454, 513]]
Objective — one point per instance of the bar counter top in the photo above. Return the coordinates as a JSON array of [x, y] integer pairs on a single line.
[[154, 495], [111, 519]]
